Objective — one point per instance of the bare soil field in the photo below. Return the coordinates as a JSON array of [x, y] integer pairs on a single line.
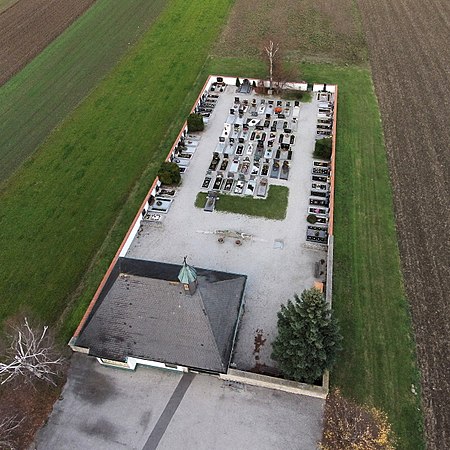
[[411, 64], [28, 26], [315, 30]]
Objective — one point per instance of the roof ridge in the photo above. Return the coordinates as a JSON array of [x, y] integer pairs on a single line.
[[210, 328]]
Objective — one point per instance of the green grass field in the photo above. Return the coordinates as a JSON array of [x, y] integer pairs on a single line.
[[272, 207], [5, 4], [58, 208], [377, 365], [37, 99]]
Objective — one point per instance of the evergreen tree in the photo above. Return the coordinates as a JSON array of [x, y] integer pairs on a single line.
[[308, 337]]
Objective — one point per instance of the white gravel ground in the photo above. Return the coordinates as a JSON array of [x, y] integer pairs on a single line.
[[274, 274]]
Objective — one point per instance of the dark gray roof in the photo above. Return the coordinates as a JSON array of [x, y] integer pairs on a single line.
[[143, 312]]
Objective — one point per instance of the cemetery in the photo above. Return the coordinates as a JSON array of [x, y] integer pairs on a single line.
[[248, 143]]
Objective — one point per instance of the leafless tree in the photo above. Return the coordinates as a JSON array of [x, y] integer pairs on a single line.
[[271, 51], [31, 355], [7, 426]]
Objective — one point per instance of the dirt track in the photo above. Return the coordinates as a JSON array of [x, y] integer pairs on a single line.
[[411, 66], [27, 27]]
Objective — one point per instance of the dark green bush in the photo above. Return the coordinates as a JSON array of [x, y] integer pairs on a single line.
[[311, 218], [308, 339], [238, 82], [195, 123], [323, 149], [169, 173]]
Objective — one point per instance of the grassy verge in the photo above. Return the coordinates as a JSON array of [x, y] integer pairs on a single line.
[[377, 365], [58, 208], [272, 207], [5, 4], [38, 98]]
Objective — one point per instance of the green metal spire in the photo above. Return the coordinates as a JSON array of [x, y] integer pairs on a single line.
[[187, 273]]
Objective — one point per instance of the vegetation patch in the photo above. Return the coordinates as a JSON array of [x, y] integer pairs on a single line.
[[272, 207], [95, 170], [38, 98], [195, 123], [169, 173], [5, 4], [308, 339], [322, 149], [348, 425], [377, 365], [303, 96]]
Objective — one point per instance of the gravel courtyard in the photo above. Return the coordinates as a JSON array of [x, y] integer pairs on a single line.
[[277, 259]]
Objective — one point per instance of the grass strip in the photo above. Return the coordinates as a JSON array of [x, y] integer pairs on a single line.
[[39, 97], [272, 207], [5, 4], [58, 208], [378, 364]]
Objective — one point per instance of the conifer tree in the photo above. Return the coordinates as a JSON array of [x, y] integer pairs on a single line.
[[308, 338]]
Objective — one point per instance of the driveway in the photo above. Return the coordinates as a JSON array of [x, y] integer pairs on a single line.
[[105, 408]]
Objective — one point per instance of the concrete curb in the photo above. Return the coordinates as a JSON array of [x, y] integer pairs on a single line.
[[278, 384]]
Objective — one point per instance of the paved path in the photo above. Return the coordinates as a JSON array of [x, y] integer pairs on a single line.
[[113, 409]]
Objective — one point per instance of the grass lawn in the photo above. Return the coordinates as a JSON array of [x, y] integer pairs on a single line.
[[377, 365], [272, 207], [39, 97], [57, 210], [5, 4]]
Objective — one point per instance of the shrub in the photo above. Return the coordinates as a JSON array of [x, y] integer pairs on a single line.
[[308, 339], [195, 123], [169, 173], [311, 218], [238, 82], [348, 425], [323, 149]]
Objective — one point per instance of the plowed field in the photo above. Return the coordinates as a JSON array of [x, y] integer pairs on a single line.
[[411, 64], [28, 26]]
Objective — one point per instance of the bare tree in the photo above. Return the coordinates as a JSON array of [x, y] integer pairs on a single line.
[[31, 356], [271, 51], [7, 426]]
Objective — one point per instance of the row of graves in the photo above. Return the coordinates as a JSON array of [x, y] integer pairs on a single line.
[[182, 155], [319, 203], [208, 101], [319, 200], [256, 145], [187, 145], [325, 114]]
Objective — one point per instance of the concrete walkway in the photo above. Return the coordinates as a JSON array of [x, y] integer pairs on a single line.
[[113, 409]]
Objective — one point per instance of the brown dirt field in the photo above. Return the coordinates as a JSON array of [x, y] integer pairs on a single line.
[[411, 64], [28, 26], [304, 29]]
